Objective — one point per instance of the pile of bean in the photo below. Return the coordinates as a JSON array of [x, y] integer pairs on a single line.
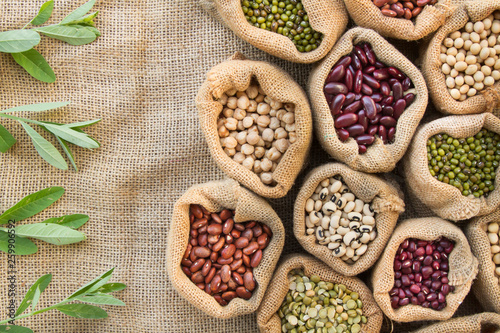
[[469, 57], [221, 254], [493, 235], [366, 97], [313, 305], [421, 274], [285, 17], [407, 9], [339, 220], [469, 164], [256, 130]]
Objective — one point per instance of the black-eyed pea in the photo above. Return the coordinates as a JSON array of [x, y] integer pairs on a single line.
[[335, 187], [361, 250], [366, 229], [326, 240], [373, 235], [368, 220], [365, 238], [354, 225], [349, 196], [310, 231], [340, 251], [344, 189], [309, 224], [318, 204], [358, 205], [349, 207], [341, 202], [333, 246], [328, 208], [344, 222], [355, 244], [343, 230], [335, 221], [349, 237], [336, 238], [355, 258], [314, 217], [320, 235], [368, 210], [349, 252], [309, 205], [325, 222], [354, 216]]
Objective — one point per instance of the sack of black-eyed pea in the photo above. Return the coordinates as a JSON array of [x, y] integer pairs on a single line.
[[223, 245], [305, 294], [345, 217], [461, 64], [257, 123], [425, 272], [485, 322], [483, 234], [367, 100], [452, 164], [301, 31]]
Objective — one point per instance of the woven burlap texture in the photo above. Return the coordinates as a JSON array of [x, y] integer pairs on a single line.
[[443, 199], [378, 157], [486, 322], [431, 65], [238, 73], [267, 317], [369, 188], [328, 17], [485, 287], [216, 196], [462, 269]]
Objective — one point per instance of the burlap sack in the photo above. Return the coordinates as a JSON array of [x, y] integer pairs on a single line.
[[446, 200], [238, 73], [367, 15], [328, 17], [369, 188], [486, 322], [216, 196], [267, 317], [379, 157], [486, 287], [462, 269], [431, 65]]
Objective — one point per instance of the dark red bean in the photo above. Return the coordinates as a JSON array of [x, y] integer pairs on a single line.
[[346, 120], [356, 130], [382, 133], [387, 110], [361, 55], [366, 89], [361, 149], [396, 73], [336, 74], [353, 107], [337, 103], [378, 107], [363, 120], [343, 134], [369, 70], [369, 106], [371, 81], [358, 81], [356, 63], [404, 301], [365, 139], [385, 89], [388, 101], [345, 61], [370, 55], [406, 83], [409, 98], [372, 129], [375, 120], [399, 108], [395, 302], [349, 98], [415, 289], [381, 74], [349, 80], [394, 292], [397, 90], [336, 88], [388, 121]]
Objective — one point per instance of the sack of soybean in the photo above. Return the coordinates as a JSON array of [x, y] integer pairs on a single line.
[[462, 84], [485, 322], [339, 232], [215, 197], [482, 233], [315, 25], [452, 164], [341, 301], [366, 14], [257, 123], [379, 157], [431, 236]]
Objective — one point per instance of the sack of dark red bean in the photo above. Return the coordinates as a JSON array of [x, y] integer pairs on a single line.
[[345, 217], [305, 293], [403, 19], [301, 31], [367, 100], [223, 245], [257, 123], [452, 164], [485, 322], [425, 272], [483, 235], [461, 64]]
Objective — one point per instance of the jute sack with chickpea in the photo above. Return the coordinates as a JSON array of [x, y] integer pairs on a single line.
[[462, 62]]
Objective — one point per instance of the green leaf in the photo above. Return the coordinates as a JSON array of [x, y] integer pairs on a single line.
[[36, 65], [16, 41], [23, 246], [14, 329], [37, 107], [79, 310], [82, 123], [94, 284], [71, 34], [72, 136], [79, 12], [111, 287], [32, 204], [68, 152], [46, 150], [86, 20], [74, 221], [50, 233], [36, 298], [40, 284], [101, 299], [44, 13], [6, 139], [94, 30]]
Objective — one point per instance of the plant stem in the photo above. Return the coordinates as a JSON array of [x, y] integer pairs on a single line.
[[19, 118], [36, 312]]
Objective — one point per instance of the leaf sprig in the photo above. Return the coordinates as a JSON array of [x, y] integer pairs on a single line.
[[56, 230], [76, 29], [64, 133], [96, 291]]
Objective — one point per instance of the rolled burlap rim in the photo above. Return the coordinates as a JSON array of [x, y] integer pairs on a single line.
[[478, 323], [267, 317], [216, 196], [487, 99], [369, 188]]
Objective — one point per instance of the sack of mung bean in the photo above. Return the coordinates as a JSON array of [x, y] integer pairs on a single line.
[[337, 213], [452, 164], [305, 280], [301, 31], [365, 110], [485, 322], [257, 123], [461, 64], [222, 252], [425, 272], [483, 235]]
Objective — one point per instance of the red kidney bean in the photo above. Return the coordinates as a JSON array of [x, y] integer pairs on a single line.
[[345, 61], [372, 129], [369, 70], [399, 107], [349, 80], [246, 260], [236, 264], [370, 55], [358, 81], [349, 98], [219, 245], [381, 74], [237, 278], [202, 252], [346, 120], [366, 90], [187, 271], [385, 89], [361, 55], [356, 130], [388, 101], [369, 106], [356, 63], [361, 149], [251, 248], [228, 251], [365, 139], [199, 223], [335, 88], [336, 74], [397, 90], [343, 134], [388, 121], [382, 133], [375, 120], [371, 81], [377, 97], [241, 242], [363, 120], [388, 111], [409, 98], [353, 107], [336, 104]]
